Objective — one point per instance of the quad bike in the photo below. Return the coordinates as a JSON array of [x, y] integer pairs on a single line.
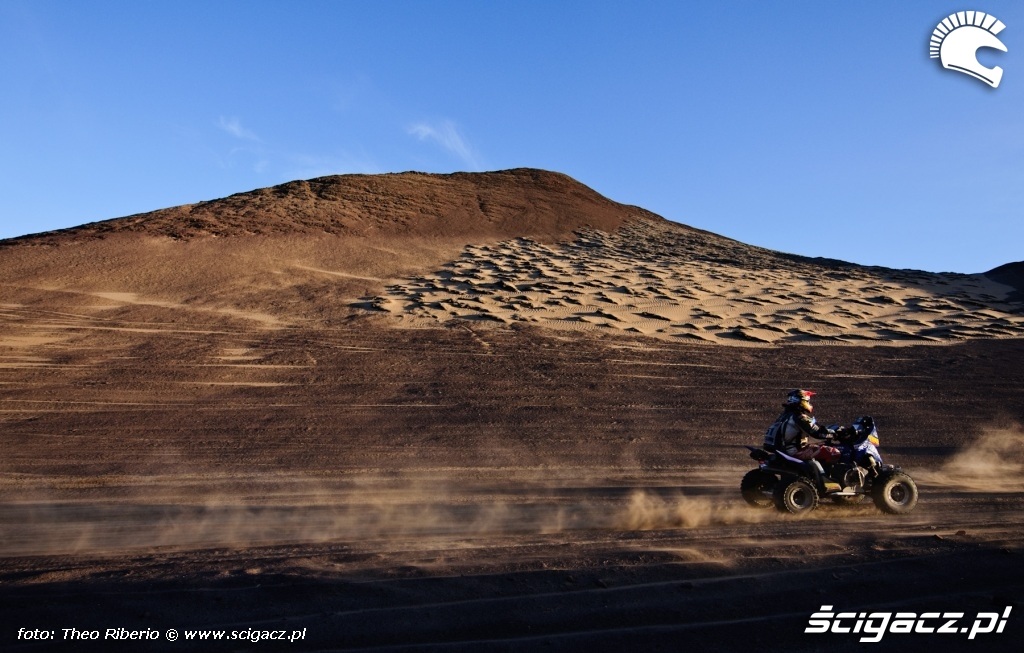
[[795, 486]]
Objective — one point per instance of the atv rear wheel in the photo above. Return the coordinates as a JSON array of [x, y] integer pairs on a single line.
[[757, 487], [895, 493], [796, 496]]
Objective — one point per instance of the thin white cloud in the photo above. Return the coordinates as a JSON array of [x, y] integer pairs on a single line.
[[267, 161], [447, 135], [234, 127]]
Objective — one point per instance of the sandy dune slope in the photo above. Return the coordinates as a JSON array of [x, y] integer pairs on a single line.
[[517, 246], [654, 278]]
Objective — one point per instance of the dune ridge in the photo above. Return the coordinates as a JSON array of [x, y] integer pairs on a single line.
[[504, 204]]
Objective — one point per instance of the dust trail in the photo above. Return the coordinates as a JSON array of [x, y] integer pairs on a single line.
[[648, 511], [189, 513], [992, 463]]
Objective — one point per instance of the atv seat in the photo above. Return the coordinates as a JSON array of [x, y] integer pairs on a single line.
[[791, 458]]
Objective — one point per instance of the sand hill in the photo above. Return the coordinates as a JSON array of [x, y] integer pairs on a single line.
[[519, 246]]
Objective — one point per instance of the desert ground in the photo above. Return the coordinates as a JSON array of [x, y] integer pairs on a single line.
[[492, 412]]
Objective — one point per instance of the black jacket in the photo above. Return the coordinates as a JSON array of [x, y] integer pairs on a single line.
[[789, 432]]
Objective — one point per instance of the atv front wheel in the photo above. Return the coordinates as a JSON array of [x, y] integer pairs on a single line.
[[796, 496], [895, 493], [757, 487]]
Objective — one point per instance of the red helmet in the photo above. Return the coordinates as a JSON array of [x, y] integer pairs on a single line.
[[800, 400]]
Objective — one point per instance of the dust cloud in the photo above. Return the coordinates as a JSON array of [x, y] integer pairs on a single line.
[[181, 512], [992, 463], [650, 511]]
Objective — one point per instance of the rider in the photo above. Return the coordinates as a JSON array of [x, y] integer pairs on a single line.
[[789, 432]]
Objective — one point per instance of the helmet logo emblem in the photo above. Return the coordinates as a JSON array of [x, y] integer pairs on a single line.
[[956, 40]]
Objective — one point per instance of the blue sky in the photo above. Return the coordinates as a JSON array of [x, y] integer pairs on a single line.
[[819, 128]]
